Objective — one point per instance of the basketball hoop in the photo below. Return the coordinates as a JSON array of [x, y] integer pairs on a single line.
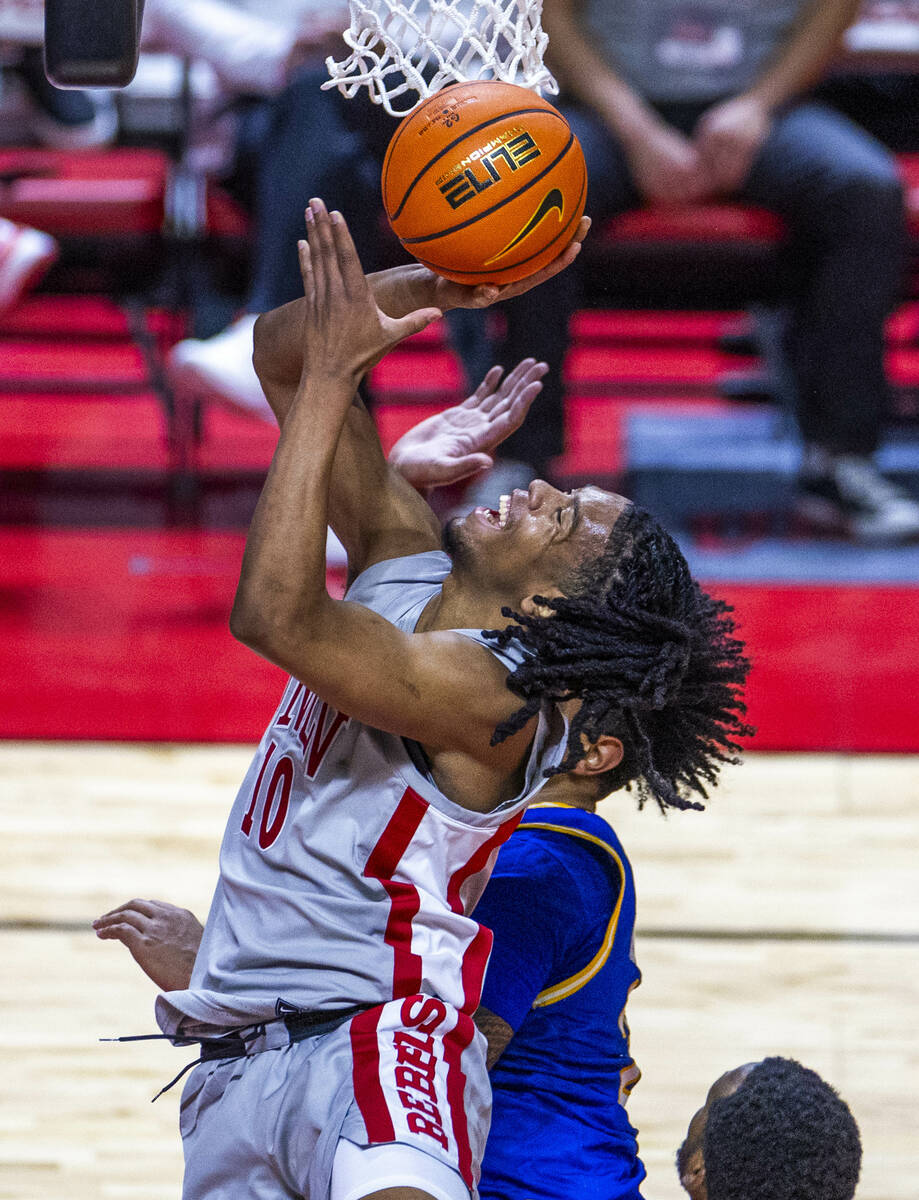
[[404, 52]]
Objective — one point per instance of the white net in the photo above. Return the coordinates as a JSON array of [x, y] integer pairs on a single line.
[[405, 52]]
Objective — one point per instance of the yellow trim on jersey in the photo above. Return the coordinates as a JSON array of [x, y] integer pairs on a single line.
[[561, 991], [557, 804]]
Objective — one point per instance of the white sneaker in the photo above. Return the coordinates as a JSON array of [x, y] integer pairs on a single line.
[[847, 494], [25, 255], [219, 369]]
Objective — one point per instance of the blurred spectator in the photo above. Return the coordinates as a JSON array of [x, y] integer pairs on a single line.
[[294, 141], [875, 80], [25, 255], [312, 143], [39, 112], [301, 142], [251, 46], [676, 102], [64, 119]]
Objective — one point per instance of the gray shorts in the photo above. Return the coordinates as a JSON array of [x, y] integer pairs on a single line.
[[267, 1125]]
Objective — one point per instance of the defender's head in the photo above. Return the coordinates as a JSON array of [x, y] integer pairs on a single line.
[[772, 1130], [610, 617]]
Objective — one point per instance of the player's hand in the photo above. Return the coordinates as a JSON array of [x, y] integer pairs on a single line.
[[458, 442], [162, 938], [729, 136], [448, 294], [344, 331]]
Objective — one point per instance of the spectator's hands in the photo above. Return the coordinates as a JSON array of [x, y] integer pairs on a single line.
[[344, 330], [728, 138], [162, 938], [666, 167], [458, 442]]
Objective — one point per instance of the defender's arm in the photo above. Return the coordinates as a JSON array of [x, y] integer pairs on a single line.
[[495, 1030], [162, 938]]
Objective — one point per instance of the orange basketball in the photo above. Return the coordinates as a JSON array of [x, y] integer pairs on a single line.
[[484, 182]]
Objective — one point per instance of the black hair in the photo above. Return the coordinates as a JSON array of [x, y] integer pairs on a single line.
[[650, 655], [785, 1134]]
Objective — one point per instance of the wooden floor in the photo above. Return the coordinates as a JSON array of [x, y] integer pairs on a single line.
[[783, 920]]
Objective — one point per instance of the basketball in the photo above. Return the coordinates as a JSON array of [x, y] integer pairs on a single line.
[[484, 182]]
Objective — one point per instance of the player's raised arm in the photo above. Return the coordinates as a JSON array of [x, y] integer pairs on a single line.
[[398, 291], [411, 684], [370, 507], [371, 510]]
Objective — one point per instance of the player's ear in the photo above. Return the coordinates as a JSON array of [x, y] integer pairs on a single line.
[[601, 755], [530, 608], [693, 1176]]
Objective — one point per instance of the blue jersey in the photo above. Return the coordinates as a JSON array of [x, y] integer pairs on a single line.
[[561, 905]]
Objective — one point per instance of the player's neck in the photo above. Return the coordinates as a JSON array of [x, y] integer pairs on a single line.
[[570, 791], [461, 607]]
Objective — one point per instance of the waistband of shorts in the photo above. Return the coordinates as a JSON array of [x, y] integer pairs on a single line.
[[274, 1034]]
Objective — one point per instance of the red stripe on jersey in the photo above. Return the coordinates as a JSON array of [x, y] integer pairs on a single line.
[[475, 958], [455, 1042], [365, 1075], [403, 897], [407, 966], [478, 861]]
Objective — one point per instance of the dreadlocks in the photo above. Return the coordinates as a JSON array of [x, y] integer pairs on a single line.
[[785, 1134], [650, 655]]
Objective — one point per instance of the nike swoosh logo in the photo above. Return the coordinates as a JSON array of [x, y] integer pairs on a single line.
[[553, 201]]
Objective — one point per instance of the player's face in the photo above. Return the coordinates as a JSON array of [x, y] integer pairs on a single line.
[[536, 538], [690, 1162]]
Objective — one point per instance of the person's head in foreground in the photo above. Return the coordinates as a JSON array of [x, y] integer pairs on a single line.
[[772, 1130], [612, 618]]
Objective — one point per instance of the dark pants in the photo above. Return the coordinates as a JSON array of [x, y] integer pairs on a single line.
[[316, 143], [838, 191]]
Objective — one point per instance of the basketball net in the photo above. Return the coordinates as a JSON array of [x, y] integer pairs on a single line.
[[405, 52]]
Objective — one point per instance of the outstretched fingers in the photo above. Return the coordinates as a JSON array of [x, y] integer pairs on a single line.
[[323, 254], [133, 909], [492, 392], [520, 405], [128, 935], [349, 264], [485, 392], [306, 272], [526, 374], [526, 370], [561, 263]]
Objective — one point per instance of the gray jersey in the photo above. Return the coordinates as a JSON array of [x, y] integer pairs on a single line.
[[689, 50], [346, 876]]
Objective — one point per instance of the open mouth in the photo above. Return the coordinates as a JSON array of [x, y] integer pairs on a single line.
[[498, 517]]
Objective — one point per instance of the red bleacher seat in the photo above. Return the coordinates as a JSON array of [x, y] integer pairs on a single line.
[[725, 223], [95, 193], [696, 223], [121, 192]]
